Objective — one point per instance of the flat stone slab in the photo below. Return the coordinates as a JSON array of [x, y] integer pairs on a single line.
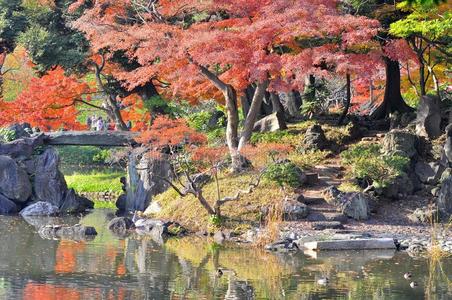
[[355, 244], [91, 138]]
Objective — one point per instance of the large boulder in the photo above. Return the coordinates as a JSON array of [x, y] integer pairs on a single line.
[[22, 148], [271, 123], [428, 173], [444, 200], [39, 209], [315, 138], [49, 183], [401, 187], [356, 205], [121, 225], [448, 144], [145, 173], [153, 209], [14, 182], [73, 203], [294, 210], [428, 121], [425, 214], [22, 130], [400, 142], [7, 206]]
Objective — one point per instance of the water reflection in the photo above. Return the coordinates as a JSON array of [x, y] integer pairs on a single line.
[[137, 268]]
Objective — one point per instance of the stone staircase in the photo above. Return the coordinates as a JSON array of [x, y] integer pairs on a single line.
[[323, 215]]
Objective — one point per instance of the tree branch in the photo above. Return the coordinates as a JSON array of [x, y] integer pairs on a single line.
[[237, 196], [209, 75]]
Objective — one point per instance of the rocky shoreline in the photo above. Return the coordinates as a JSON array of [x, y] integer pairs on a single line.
[[30, 180]]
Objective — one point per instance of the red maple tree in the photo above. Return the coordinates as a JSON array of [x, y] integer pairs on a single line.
[[215, 49], [48, 102]]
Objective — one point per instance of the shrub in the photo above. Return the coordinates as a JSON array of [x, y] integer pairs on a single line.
[[102, 156], [7, 135], [83, 155], [309, 158], [270, 137], [199, 120], [368, 163], [285, 174]]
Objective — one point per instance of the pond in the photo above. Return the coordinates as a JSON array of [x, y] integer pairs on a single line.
[[110, 267]]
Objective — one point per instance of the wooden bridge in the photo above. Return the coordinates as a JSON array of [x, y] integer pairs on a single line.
[[92, 138]]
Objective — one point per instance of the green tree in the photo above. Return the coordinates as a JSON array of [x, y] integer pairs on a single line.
[[48, 39], [12, 23], [427, 28]]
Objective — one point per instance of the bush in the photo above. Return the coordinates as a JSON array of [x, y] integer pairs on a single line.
[[102, 156], [369, 164], [199, 120], [7, 135], [161, 106], [83, 155], [270, 137], [284, 174]]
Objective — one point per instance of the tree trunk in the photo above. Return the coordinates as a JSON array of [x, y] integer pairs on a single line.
[[422, 78], [292, 105], [276, 103], [266, 107], [392, 100], [253, 113], [115, 113], [232, 125], [2, 62], [309, 89], [348, 100], [435, 81], [245, 104], [110, 100]]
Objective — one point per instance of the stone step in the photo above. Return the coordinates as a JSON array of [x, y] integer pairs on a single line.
[[313, 200], [323, 209], [329, 217], [312, 179], [327, 225]]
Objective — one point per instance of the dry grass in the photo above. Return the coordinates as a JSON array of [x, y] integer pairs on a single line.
[[309, 159], [273, 223], [435, 253], [238, 215], [349, 187]]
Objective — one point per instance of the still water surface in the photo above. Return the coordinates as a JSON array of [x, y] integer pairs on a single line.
[[110, 267]]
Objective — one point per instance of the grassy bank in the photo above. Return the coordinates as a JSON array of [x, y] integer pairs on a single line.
[[95, 181], [246, 212]]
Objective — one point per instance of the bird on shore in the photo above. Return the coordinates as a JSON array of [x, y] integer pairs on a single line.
[[413, 284], [323, 281], [219, 273], [407, 275]]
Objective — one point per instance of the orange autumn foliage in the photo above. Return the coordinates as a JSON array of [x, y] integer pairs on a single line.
[[259, 155], [209, 156], [48, 102], [135, 112], [171, 132]]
